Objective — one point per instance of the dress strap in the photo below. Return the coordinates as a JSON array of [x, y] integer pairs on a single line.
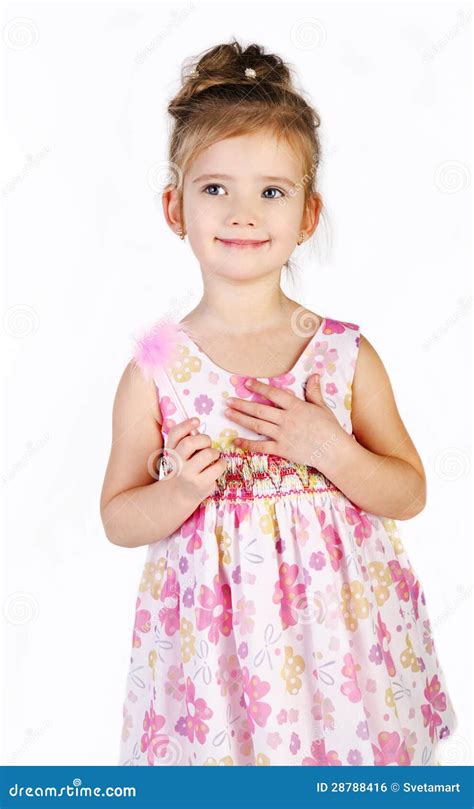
[[155, 351], [334, 357]]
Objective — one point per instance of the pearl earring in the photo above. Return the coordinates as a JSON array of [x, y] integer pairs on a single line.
[[181, 234], [301, 240]]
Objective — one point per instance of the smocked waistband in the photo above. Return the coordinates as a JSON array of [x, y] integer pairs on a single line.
[[251, 475]]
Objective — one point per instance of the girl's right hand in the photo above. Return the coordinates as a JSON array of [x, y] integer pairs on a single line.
[[199, 464]]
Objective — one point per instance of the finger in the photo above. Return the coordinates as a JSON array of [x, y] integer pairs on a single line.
[[201, 460], [251, 423], [267, 447], [282, 398], [179, 431], [191, 444], [261, 411]]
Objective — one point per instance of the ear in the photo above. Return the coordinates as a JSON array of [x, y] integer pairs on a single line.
[[155, 347]]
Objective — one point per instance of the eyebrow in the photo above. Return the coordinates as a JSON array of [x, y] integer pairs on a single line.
[[229, 177]]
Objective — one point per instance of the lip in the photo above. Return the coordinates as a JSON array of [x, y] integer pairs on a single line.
[[243, 242]]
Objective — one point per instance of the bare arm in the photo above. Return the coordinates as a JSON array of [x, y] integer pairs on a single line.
[[136, 508], [381, 471]]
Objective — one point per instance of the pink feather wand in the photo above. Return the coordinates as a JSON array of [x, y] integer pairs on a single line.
[[155, 348]]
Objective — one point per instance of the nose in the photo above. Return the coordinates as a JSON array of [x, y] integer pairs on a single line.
[[241, 214]]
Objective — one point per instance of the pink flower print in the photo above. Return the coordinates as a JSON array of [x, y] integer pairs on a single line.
[[244, 738], [174, 685], [253, 690], [142, 624], [283, 381], [333, 326], [236, 575], [333, 543], [299, 526], [436, 702], [203, 404], [331, 389], [193, 725], [363, 730], [282, 717], [321, 710], [215, 610], [293, 715], [169, 614], [152, 741], [243, 650], [191, 527], [363, 528], [287, 594], [168, 409], [295, 744], [384, 637], [405, 584], [391, 750], [317, 560], [350, 688], [274, 740], [427, 637], [319, 757], [127, 723], [241, 512], [229, 676], [354, 758], [242, 616], [321, 359]]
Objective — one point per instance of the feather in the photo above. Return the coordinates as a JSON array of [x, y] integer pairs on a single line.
[[154, 348]]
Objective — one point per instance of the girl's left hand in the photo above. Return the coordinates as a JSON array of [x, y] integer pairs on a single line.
[[297, 427]]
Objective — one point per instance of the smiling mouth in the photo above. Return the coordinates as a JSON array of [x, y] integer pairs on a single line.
[[242, 242]]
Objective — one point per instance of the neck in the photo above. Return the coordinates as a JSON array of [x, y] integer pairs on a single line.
[[237, 308]]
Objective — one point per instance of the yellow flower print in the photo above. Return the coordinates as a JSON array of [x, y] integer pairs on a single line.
[[227, 761], [152, 578], [262, 760], [408, 657], [225, 439], [392, 531], [224, 542], [184, 365], [152, 662], [268, 522], [293, 665], [187, 640], [348, 397], [381, 573], [390, 700], [354, 604]]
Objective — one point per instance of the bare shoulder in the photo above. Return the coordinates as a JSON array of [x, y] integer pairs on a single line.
[[136, 434], [376, 422]]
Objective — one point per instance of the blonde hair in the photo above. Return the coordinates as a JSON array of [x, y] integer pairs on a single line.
[[218, 100]]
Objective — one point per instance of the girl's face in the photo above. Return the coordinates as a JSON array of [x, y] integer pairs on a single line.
[[243, 188]]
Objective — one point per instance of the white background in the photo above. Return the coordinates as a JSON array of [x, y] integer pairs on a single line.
[[89, 260]]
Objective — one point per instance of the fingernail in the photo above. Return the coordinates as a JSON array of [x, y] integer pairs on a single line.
[[194, 421], [248, 383]]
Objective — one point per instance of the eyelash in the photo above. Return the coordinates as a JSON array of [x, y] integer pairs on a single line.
[[218, 185]]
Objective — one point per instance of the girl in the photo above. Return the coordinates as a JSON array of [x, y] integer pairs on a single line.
[[278, 619]]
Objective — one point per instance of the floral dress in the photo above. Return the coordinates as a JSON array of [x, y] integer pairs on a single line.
[[280, 624]]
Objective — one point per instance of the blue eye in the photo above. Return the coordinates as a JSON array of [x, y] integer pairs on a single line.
[[216, 185], [275, 189]]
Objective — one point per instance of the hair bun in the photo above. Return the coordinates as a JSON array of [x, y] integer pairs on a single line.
[[230, 63]]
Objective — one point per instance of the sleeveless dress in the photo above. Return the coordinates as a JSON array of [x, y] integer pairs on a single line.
[[280, 624]]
